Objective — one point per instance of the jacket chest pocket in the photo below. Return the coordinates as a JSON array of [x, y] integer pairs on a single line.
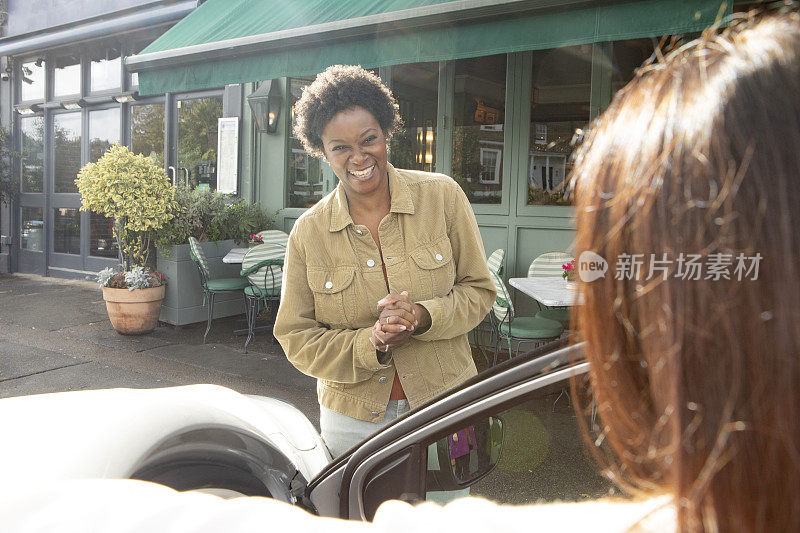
[[435, 267], [333, 295]]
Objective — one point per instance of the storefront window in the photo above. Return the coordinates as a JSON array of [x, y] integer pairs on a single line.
[[416, 88], [305, 183], [105, 69], [560, 99], [32, 85], [479, 108], [197, 140], [67, 231], [67, 76], [102, 242], [32, 160], [103, 131], [147, 131], [67, 149], [32, 229]]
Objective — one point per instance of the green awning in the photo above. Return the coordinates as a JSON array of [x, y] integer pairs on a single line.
[[237, 41]]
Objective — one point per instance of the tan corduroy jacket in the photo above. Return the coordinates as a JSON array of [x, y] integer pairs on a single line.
[[333, 280]]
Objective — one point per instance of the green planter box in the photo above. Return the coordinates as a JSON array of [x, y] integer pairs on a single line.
[[183, 303]]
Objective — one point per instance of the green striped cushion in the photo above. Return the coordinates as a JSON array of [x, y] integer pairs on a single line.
[[198, 256], [261, 278], [502, 304], [549, 265], [495, 261], [275, 236]]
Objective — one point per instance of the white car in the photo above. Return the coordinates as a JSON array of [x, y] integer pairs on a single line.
[[206, 437]]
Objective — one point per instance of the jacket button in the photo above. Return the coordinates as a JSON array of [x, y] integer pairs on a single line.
[[328, 284], [383, 379], [370, 263], [438, 257], [359, 232], [375, 413]]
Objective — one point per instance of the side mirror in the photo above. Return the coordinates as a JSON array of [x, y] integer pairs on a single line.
[[465, 456]]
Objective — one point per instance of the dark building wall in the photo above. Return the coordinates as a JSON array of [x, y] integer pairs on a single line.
[[27, 16]]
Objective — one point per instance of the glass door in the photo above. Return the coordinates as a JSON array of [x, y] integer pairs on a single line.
[[32, 234], [196, 149]]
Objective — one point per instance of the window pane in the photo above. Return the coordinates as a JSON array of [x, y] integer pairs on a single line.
[[105, 69], [559, 105], [103, 131], [32, 229], [102, 242], [305, 185], [479, 109], [542, 459], [147, 131], [67, 148], [32, 129], [197, 140], [416, 87], [67, 76], [67, 231], [33, 80]]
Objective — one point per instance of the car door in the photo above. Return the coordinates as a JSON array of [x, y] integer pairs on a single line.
[[522, 426]]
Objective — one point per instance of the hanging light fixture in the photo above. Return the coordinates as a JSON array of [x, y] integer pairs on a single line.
[[265, 104]]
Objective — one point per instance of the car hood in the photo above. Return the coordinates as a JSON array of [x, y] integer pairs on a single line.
[[107, 433]]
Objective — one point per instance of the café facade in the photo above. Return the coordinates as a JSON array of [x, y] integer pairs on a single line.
[[491, 93]]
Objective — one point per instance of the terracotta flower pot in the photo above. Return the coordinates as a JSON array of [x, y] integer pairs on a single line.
[[134, 312]]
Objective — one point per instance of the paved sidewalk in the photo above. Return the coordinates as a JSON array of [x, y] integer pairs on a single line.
[[55, 335]]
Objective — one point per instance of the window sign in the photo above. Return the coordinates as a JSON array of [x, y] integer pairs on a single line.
[[227, 154]]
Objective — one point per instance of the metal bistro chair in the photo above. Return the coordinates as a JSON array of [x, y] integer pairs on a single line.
[[212, 286], [495, 264], [263, 267], [549, 265], [513, 328]]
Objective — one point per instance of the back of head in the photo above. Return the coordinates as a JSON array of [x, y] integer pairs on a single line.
[[698, 380]]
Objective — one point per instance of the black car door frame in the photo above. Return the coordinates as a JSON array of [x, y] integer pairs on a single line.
[[399, 443]]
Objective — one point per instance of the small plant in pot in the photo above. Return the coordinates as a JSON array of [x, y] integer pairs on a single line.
[[134, 191]]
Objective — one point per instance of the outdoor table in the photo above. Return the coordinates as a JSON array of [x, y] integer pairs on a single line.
[[552, 292], [235, 255]]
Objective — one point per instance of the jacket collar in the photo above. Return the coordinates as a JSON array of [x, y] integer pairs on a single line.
[[398, 189]]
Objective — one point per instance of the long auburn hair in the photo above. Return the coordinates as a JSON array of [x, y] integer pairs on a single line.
[[697, 381]]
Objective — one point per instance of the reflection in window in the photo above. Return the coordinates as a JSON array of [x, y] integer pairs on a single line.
[[559, 105], [67, 150], [103, 131], [305, 183], [66, 231], [32, 86], [67, 75], [102, 242], [105, 69], [32, 229], [197, 140], [32, 129], [537, 446], [147, 131], [416, 88], [479, 109]]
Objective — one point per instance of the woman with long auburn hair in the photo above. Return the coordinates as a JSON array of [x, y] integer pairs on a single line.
[[697, 377]]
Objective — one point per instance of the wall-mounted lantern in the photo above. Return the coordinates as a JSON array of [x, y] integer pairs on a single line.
[[265, 104]]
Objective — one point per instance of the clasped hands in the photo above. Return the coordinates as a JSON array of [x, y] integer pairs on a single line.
[[399, 319]]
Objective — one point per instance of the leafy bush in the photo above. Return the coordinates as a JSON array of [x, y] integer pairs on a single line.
[[208, 216], [134, 191]]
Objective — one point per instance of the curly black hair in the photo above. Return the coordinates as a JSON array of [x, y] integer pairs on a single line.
[[338, 88]]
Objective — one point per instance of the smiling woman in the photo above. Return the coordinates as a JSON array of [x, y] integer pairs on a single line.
[[385, 276]]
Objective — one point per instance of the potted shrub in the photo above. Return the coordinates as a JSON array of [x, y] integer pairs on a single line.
[[220, 222], [134, 191]]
